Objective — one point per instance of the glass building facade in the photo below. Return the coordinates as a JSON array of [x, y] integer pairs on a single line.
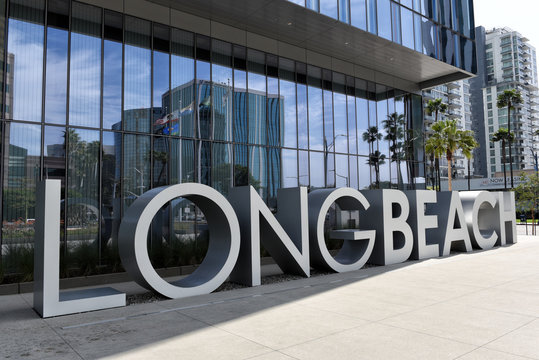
[[441, 29], [114, 105]]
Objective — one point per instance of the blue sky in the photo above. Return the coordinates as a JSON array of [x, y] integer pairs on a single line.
[[519, 15]]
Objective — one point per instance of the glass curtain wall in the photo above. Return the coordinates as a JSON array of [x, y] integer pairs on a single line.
[[114, 105], [431, 27]]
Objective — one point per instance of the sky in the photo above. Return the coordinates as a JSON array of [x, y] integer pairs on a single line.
[[519, 15]]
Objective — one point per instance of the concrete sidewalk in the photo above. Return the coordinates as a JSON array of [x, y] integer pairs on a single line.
[[483, 305]]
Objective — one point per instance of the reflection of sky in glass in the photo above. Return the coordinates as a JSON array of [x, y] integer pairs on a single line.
[[316, 119], [257, 167], [183, 70], [288, 130], [203, 70], [317, 169], [25, 42], [26, 136], [257, 108], [222, 102], [137, 78], [160, 80], [362, 110], [56, 86], [358, 17], [341, 170], [339, 112], [353, 172], [85, 80], [290, 168], [364, 173], [303, 134], [303, 176], [329, 8], [112, 84], [352, 128]]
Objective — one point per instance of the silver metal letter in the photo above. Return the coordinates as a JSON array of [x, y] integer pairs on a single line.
[[285, 235], [223, 249], [423, 224], [480, 213], [507, 228], [388, 214], [48, 300], [358, 244], [451, 222]]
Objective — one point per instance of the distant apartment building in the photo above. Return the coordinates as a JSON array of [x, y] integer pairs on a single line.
[[457, 96], [509, 63]]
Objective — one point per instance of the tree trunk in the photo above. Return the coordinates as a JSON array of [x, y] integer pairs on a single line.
[[510, 156], [438, 176], [504, 167], [449, 175], [469, 172]]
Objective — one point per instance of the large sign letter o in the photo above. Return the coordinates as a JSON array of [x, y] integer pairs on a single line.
[[223, 248]]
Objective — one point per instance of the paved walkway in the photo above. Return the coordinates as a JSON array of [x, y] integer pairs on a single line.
[[483, 305]]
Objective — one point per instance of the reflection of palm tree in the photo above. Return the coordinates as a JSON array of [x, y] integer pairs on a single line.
[[394, 127], [371, 136], [435, 107]]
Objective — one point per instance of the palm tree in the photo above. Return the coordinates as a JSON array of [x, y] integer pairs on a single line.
[[447, 139], [394, 126], [505, 137], [371, 136], [436, 106], [509, 98]]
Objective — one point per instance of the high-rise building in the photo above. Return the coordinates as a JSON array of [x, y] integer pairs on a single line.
[[118, 97], [510, 63], [456, 95]]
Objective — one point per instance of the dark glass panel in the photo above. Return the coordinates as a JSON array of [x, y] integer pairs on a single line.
[[112, 85], [448, 55], [258, 170], [21, 164], [111, 177], [221, 169], [274, 175], [83, 213], [203, 48], [290, 168], [161, 38], [241, 165], [31, 11], [113, 29], [58, 14], [85, 66], [160, 156], [204, 162], [56, 81], [317, 171], [137, 69], [182, 84]]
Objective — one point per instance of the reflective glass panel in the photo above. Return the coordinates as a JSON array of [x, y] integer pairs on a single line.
[[407, 26], [241, 165], [352, 126], [316, 119], [56, 82], [112, 85], [85, 66], [340, 139], [344, 11], [138, 75], [329, 8], [341, 171], [182, 83], [290, 168], [136, 167], [182, 161], [257, 170], [358, 14], [160, 155], [274, 175], [163, 120], [288, 96], [383, 11], [222, 93], [25, 49], [303, 162], [354, 183], [111, 179], [303, 133], [221, 170], [317, 170]]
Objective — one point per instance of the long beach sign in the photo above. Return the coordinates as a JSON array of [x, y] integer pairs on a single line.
[[394, 226]]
